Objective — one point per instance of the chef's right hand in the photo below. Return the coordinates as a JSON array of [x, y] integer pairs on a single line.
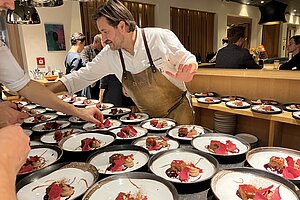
[[9, 114]]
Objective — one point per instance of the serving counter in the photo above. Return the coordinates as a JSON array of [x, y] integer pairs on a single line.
[[282, 86]]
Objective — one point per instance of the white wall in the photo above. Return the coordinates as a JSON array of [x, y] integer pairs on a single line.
[[34, 37], [69, 15]]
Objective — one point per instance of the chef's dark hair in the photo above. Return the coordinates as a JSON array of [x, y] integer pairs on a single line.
[[114, 11], [77, 37], [234, 33], [296, 39]]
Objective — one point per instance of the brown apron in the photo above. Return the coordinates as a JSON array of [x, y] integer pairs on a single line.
[[154, 94]]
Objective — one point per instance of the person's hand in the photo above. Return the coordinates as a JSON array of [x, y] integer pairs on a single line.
[[10, 114], [92, 114], [185, 73], [14, 147]]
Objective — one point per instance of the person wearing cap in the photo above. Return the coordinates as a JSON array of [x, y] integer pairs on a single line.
[[151, 63], [294, 48]]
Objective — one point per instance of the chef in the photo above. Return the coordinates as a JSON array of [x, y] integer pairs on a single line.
[[151, 63]]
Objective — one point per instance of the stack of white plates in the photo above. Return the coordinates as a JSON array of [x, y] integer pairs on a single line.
[[224, 123]]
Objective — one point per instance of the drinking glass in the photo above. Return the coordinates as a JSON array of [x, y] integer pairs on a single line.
[[276, 64]]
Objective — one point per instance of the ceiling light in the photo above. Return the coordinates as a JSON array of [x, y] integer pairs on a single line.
[[23, 14], [262, 1], [272, 12], [294, 10]]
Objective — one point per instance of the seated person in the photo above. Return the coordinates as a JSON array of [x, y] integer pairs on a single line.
[[294, 48], [224, 44], [233, 55]]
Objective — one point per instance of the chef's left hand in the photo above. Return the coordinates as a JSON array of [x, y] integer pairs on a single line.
[[185, 73]]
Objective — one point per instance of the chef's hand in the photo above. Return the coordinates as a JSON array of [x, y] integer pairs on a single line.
[[92, 114], [185, 73], [14, 147], [10, 115]]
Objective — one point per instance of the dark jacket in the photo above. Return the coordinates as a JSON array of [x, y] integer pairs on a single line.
[[235, 57], [294, 62]]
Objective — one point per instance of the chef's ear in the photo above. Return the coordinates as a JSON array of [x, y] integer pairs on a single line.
[[122, 25]]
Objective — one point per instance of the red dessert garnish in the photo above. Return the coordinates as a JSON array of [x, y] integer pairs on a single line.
[[32, 163], [120, 162], [88, 143], [51, 125], [59, 135], [249, 192], [291, 170], [127, 132], [218, 147]]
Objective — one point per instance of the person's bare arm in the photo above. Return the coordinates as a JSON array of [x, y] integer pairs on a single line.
[[57, 87], [14, 148], [38, 93]]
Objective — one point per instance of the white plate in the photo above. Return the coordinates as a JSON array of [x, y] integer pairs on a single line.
[[215, 100], [146, 124], [80, 179], [258, 108], [230, 98], [50, 153], [102, 106], [49, 137], [30, 106], [35, 142], [201, 142], [109, 188], [163, 161], [142, 143], [140, 132], [296, 114], [65, 96], [174, 131], [143, 116], [77, 120], [38, 110], [30, 120], [61, 113], [226, 183], [101, 160], [233, 105], [81, 103], [258, 157], [40, 127], [74, 99], [289, 108], [73, 142], [91, 126], [108, 111], [27, 132]]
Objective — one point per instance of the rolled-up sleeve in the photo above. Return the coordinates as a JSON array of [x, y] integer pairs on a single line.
[[11, 74]]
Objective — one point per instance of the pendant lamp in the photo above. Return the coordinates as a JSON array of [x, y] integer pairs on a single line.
[[24, 13], [272, 12]]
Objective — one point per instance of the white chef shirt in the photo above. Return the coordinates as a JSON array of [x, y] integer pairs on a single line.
[[11, 74], [166, 50]]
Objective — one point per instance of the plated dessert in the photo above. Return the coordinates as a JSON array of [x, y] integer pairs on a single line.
[[134, 117], [158, 124], [106, 125], [156, 144], [129, 132], [185, 132], [132, 185], [266, 109], [60, 181], [280, 161], [116, 111], [296, 114], [204, 94], [50, 126], [237, 104], [232, 98], [183, 166], [57, 136], [263, 101], [209, 100], [40, 118], [291, 107]]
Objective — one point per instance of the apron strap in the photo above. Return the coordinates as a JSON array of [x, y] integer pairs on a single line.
[[178, 103], [123, 64], [148, 52]]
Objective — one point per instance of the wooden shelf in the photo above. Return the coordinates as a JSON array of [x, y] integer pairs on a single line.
[[274, 119]]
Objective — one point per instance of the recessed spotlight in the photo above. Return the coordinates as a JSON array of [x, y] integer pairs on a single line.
[[294, 10], [262, 1], [247, 3]]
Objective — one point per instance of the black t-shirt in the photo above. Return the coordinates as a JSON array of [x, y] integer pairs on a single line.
[[294, 62]]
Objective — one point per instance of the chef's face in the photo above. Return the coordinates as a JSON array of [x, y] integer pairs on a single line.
[[7, 4], [113, 36]]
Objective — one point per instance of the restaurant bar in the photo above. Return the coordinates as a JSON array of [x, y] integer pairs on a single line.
[[149, 100]]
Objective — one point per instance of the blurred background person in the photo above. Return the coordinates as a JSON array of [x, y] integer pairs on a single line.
[[294, 48], [233, 55], [224, 44], [87, 55]]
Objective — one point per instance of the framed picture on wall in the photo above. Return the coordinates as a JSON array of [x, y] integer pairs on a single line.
[[55, 37]]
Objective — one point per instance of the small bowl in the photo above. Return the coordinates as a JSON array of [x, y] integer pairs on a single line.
[[51, 77]]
